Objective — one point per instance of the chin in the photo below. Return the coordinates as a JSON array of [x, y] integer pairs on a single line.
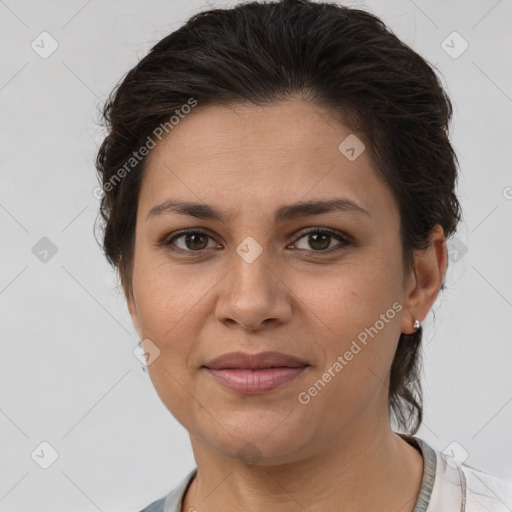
[[262, 438]]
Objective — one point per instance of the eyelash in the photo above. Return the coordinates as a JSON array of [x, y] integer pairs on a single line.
[[343, 239]]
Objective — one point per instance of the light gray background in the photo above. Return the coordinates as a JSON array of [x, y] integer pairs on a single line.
[[67, 372]]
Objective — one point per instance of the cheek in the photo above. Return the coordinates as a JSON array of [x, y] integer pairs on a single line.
[[167, 304], [166, 295], [173, 305], [357, 311], [354, 293], [163, 315]]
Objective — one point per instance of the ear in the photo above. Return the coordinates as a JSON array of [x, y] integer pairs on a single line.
[[423, 287]]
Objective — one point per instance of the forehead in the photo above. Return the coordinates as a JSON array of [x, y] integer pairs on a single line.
[[270, 131], [259, 156]]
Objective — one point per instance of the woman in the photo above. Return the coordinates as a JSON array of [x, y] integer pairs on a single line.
[[278, 189]]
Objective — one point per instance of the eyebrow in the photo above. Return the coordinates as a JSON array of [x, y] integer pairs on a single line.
[[286, 212]]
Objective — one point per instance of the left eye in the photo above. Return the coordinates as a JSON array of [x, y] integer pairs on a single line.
[[320, 240]]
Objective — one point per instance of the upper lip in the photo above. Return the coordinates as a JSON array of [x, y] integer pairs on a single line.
[[258, 360]]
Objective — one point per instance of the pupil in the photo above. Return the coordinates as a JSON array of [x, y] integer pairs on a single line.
[[192, 239], [323, 236]]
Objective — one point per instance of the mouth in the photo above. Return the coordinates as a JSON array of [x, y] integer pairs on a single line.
[[251, 381], [254, 373]]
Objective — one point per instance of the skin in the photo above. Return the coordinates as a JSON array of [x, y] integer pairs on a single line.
[[293, 298]]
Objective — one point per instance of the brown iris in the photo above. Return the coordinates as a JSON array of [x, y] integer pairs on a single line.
[[318, 240]]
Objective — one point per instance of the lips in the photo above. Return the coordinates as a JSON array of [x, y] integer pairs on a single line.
[[255, 361], [251, 374]]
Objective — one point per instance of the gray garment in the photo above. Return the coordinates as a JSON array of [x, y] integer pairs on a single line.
[[173, 501]]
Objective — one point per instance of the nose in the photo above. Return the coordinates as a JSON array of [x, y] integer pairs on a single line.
[[254, 295]]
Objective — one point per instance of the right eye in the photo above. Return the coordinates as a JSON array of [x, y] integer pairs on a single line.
[[192, 240]]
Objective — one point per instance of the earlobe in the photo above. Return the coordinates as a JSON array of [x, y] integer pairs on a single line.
[[429, 269]]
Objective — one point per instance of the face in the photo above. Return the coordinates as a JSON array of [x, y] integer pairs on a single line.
[[260, 273]]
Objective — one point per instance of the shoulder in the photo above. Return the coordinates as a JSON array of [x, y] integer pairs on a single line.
[[172, 501], [450, 484], [470, 488], [156, 506], [486, 491]]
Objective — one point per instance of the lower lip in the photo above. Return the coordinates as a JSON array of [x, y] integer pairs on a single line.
[[250, 382]]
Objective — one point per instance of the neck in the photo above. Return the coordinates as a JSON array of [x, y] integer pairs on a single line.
[[366, 470]]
